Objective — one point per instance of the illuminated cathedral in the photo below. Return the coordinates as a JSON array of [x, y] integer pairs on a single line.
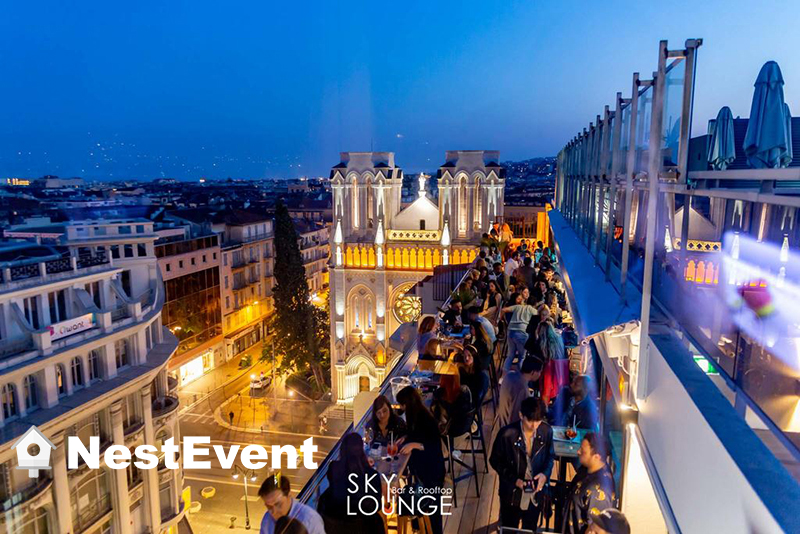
[[381, 249]]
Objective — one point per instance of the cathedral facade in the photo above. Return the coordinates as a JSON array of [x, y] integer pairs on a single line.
[[381, 249]]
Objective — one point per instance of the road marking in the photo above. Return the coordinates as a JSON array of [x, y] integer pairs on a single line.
[[230, 483]]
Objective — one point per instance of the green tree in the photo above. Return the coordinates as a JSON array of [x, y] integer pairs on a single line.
[[301, 329]]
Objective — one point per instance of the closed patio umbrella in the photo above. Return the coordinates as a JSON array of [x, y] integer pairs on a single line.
[[722, 150], [788, 116], [766, 141]]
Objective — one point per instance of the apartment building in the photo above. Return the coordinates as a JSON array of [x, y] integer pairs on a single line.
[[190, 267], [247, 278], [83, 352], [312, 237]]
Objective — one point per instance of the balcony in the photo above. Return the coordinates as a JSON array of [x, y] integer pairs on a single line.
[[30, 496], [164, 407], [54, 268], [91, 513]]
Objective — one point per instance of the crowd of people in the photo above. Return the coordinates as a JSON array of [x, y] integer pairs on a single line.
[[509, 315]]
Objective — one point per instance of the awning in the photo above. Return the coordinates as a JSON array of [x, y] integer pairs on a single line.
[[596, 304]]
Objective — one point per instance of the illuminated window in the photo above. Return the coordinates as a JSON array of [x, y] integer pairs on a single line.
[[354, 197]]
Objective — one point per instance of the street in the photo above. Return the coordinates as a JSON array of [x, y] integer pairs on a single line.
[[270, 417]]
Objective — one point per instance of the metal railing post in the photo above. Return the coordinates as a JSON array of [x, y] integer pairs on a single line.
[[654, 162], [683, 147], [612, 194], [630, 172]]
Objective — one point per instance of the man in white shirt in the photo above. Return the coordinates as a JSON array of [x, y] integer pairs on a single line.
[[512, 264], [275, 494]]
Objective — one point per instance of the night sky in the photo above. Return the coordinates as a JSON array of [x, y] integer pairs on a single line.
[[184, 89]]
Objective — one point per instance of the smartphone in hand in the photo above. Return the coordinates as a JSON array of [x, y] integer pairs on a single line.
[[528, 486]]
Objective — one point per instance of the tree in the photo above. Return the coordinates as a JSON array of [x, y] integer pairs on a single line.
[[299, 328]]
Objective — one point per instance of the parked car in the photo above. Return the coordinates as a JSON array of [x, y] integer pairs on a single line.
[[260, 382]]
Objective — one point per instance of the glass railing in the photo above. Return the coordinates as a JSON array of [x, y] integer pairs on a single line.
[[673, 111], [318, 483], [734, 289]]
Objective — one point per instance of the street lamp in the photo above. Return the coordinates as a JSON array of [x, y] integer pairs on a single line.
[[246, 473]]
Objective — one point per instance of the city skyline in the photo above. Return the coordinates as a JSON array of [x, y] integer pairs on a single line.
[[185, 93]]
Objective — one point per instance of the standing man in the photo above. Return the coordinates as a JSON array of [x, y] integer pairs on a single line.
[[523, 457], [274, 491], [514, 390], [592, 489], [528, 273]]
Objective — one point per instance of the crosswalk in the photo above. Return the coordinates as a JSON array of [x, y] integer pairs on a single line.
[[197, 418]]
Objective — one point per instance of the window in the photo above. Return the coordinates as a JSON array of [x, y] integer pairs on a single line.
[[193, 261], [94, 365], [58, 306], [121, 353], [94, 290], [226, 282], [126, 283], [61, 382], [77, 372], [9, 395], [139, 228], [90, 499], [148, 338], [204, 258], [227, 300], [33, 522], [214, 256], [141, 249], [30, 306], [354, 199], [225, 259], [31, 394], [115, 251], [422, 224], [180, 264], [167, 266], [128, 251]]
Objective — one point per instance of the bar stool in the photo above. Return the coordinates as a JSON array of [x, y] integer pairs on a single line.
[[462, 426], [479, 436]]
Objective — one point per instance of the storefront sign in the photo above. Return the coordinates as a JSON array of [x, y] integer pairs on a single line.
[[71, 326]]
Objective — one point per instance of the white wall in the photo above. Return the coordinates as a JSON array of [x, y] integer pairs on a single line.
[[706, 488]]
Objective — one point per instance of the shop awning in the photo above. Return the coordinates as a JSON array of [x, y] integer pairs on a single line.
[[596, 304]]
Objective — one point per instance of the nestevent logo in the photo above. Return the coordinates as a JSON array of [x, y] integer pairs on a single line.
[[33, 453]]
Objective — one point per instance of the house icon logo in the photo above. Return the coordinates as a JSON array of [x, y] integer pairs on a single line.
[[33, 451]]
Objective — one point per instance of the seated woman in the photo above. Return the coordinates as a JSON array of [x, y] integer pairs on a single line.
[[424, 444], [385, 424], [347, 478], [476, 380], [492, 299], [452, 401], [426, 332]]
